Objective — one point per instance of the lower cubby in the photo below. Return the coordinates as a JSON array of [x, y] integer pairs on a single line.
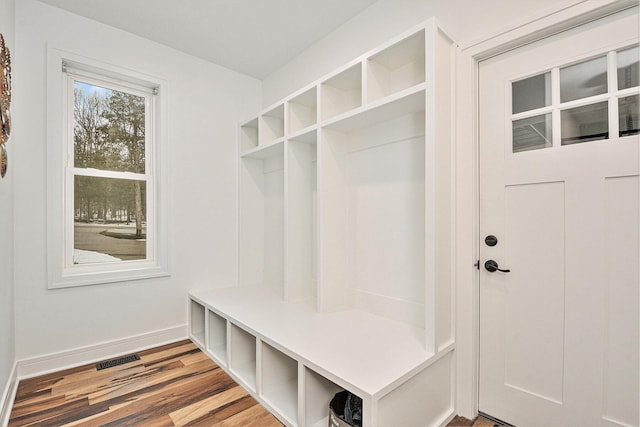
[[197, 323], [280, 381], [293, 360], [242, 355], [318, 392], [217, 337]]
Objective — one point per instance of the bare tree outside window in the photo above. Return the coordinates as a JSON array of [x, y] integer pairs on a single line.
[[109, 175]]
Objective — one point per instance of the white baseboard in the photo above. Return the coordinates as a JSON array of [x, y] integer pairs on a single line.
[[40, 365], [8, 395]]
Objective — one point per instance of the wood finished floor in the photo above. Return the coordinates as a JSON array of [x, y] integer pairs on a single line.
[[465, 422], [172, 385]]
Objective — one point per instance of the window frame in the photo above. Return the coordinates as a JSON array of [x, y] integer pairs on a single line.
[[64, 69]]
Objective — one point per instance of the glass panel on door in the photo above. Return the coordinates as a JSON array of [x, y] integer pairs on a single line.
[[628, 115], [584, 79], [532, 133], [531, 93], [628, 70], [584, 124]]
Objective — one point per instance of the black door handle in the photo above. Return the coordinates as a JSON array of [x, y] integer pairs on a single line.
[[492, 266]]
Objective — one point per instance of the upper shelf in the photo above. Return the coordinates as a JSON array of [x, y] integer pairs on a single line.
[[408, 101], [382, 84], [396, 68]]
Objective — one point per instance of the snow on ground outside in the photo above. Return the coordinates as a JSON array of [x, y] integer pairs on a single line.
[[81, 256]]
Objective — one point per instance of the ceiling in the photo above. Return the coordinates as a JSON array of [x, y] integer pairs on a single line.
[[254, 37]]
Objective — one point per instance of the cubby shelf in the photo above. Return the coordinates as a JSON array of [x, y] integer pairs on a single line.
[[242, 357], [303, 111], [217, 337], [344, 260], [408, 101], [272, 125], [397, 67], [197, 322]]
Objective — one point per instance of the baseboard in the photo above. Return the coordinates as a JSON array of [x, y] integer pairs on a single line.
[[8, 396], [53, 362]]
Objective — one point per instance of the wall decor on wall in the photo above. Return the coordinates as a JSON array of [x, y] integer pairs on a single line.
[[5, 102]]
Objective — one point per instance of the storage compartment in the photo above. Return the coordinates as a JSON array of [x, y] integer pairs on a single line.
[[342, 92], [301, 218], [303, 111], [318, 393], [272, 127], [396, 68], [217, 337], [372, 241], [280, 382], [197, 324], [261, 210], [242, 355], [248, 137]]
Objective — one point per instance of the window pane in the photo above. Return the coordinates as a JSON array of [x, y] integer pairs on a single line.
[[531, 93], [628, 70], [532, 133], [584, 79], [583, 124], [628, 111], [108, 129], [109, 220]]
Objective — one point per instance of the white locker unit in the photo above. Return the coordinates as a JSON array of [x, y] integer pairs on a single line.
[[345, 260]]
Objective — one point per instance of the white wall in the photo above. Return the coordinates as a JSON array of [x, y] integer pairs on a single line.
[[204, 103], [465, 20], [6, 231]]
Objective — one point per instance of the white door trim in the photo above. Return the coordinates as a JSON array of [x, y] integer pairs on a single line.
[[467, 173]]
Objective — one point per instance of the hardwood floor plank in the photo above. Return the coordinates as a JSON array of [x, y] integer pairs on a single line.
[[252, 417], [171, 385], [227, 411], [203, 407]]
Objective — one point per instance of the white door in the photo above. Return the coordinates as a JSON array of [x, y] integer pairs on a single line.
[[559, 193]]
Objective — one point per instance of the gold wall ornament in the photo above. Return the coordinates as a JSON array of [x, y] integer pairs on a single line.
[[5, 103], [3, 161]]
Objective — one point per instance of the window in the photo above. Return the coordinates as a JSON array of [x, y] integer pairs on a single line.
[[109, 176], [579, 100], [108, 215]]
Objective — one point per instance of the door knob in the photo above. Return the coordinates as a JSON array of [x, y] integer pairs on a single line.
[[492, 266]]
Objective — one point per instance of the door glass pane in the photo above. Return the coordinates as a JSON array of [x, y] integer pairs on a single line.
[[584, 79], [531, 93], [583, 124], [628, 112], [109, 220], [628, 70], [532, 133]]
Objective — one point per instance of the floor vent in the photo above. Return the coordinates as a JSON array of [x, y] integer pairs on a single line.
[[116, 362]]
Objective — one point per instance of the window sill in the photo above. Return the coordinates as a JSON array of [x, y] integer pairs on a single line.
[[71, 279]]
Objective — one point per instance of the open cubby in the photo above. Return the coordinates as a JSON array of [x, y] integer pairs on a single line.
[[301, 220], [397, 67], [318, 392], [342, 92], [217, 337], [280, 382], [242, 355], [248, 137], [197, 324], [374, 190], [272, 125], [261, 211], [303, 111]]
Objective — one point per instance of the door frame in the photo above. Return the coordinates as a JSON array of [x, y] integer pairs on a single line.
[[467, 175]]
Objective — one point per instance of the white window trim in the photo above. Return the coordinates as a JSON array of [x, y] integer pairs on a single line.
[[61, 66]]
